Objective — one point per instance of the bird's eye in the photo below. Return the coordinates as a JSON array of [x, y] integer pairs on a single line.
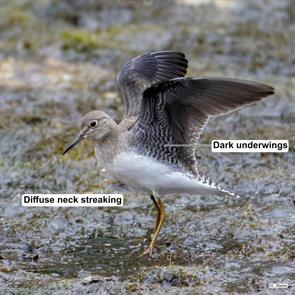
[[93, 124]]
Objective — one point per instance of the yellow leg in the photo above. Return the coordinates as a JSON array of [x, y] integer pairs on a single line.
[[159, 221]]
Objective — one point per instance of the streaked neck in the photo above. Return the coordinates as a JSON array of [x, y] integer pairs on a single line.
[[107, 147]]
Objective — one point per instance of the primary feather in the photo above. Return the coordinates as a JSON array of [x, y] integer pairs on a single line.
[[143, 71], [173, 114]]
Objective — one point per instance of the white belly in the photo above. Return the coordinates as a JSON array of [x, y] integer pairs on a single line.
[[148, 175]]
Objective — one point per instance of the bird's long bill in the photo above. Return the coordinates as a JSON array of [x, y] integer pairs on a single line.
[[79, 138]]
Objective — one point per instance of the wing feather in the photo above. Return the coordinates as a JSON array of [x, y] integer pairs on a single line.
[[174, 113], [141, 72]]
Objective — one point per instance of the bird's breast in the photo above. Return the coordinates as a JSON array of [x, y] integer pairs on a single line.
[[149, 175], [137, 171]]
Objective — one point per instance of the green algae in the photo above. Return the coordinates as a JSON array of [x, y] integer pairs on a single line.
[[84, 41], [80, 40]]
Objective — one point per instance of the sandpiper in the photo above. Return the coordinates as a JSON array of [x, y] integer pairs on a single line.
[[153, 149]]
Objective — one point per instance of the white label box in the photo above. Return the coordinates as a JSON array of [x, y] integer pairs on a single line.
[[72, 200], [249, 146]]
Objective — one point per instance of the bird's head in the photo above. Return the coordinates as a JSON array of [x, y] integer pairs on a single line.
[[95, 125]]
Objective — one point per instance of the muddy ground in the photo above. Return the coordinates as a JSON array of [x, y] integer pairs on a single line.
[[59, 60]]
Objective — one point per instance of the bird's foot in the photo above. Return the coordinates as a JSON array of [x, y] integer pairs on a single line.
[[148, 251]]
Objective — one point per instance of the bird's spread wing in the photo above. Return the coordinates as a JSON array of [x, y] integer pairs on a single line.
[[141, 72], [175, 112]]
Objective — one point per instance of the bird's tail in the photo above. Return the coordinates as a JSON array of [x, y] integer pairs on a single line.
[[206, 180]]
